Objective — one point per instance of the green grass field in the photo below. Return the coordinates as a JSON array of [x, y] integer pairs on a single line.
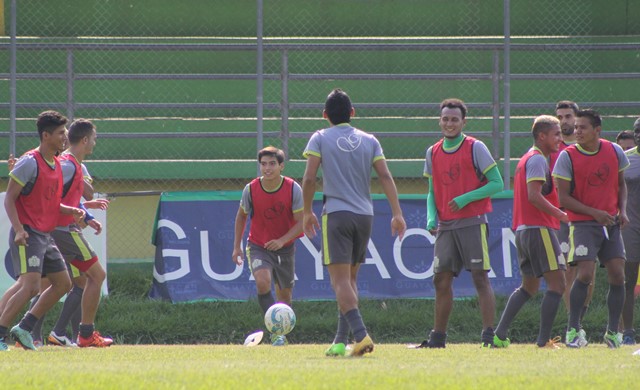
[[304, 366]]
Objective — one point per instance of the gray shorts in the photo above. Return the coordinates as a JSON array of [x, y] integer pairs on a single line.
[[589, 242], [345, 237], [631, 238], [460, 248], [563, 238], [281, 263], [538, 252], [73, 245], [41, 254]]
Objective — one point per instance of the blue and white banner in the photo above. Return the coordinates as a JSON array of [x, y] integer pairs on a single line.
[[194, 242]]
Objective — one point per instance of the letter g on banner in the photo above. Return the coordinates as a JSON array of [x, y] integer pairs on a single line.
[[182, 254]]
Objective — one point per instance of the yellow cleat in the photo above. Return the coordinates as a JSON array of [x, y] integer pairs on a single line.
[[364, 346]]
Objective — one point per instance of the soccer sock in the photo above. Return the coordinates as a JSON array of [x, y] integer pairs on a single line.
[[3, 332], [577, 296], [342, 333], [514, 304], [615, 301], [86, 330], [548, 311], [583, 312], [28, 322], [356, 324], [486, 336], [36, 333], [71, 303], [76, 317], [266, 301]]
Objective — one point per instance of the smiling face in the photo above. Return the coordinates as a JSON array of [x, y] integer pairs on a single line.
[[56, 140], [451, 122], [550, 140], [270, 168]]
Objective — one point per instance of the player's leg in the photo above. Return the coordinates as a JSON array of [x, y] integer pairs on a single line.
[[615, 300], [36, 333], [549, 308], [28, 285], [261, 269], [72, 303], [631, 238], [517, 299]]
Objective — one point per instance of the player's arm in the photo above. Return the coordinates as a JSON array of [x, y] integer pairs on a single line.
[[398, 225], [241, 221], [569, 202], [309, 219], [534, 194], [293, 233], [87, 192], [432, 211], [493, 186], [622, 200], [13, 191]]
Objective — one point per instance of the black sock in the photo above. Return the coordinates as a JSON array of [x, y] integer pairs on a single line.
[[71, 304], [3, 332], [86, 330], [583, 312], [28, 322], [577, 297], [356, 324], [517, 299], [342, 333], [266, 301], [548, 311], [615, 301], [486, 336]]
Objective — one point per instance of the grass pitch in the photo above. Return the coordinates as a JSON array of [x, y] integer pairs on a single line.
[[305, 366]]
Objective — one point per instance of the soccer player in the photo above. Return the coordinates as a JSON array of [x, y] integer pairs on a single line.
[[631, 236], [462, 176], [70, 240], [347, 156], [274, 203], [591, 188], [33, 204], [626, 139], [535, 216]]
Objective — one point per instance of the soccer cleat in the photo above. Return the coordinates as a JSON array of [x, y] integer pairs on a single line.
[[364, 346], [3, 344], [435, 340], [278, 341], [338, 349], [553, 343], [38, 343], [576, 339], [60, 341], [629, 337], [23, 337], [499, 343], [613, 339], [95, 340]]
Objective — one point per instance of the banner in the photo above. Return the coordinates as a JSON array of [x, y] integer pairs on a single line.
[[98, 242], [194, 242]]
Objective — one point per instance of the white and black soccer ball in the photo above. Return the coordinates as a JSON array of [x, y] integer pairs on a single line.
[[280, 319]]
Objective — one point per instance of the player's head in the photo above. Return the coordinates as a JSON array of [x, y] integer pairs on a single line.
[[636, 131], [626, 139], [588, 126], [566, 111], [546, 133], [50, 121], [337, 107], [453, 113], [83, 131], [271, 160]]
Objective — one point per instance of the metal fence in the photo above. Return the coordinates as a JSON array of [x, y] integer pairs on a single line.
[[184, 96]]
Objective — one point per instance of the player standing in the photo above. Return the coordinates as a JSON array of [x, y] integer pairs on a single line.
[[535, 217], [591, 187], [275, 205], [347, 156]]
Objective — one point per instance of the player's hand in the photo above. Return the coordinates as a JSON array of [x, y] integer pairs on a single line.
[[398, 226], [273, 245], [564, 217], [604, 218], [623, 219], [78, 214], [11, 162], [453, 206], [310, 224], [236, 257], [21, 238], [101, 204], [95, 225]]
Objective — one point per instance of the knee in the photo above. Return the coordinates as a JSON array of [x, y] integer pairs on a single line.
[[480, 279]]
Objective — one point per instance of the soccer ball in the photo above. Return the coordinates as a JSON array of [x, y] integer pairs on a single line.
[[280, 319]]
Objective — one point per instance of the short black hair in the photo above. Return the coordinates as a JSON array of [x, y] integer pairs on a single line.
[[79, 129], [48, 121], [454, 103], [625, 134], [593, 115], [338, 107], [568, 104], [271, 151]]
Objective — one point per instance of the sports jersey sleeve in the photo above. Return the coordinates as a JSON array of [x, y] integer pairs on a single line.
[[245, 200], [25, 170], [68, 170], [428, 164], [85, 174], [296, 202], [623, 160], [562, 169], [432, 211], [482, 158], [313, 146], [537, 168], [377, 150]]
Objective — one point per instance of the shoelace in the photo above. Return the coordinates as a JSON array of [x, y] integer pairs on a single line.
[[555, 342]]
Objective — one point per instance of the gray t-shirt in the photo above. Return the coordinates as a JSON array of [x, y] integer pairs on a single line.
[[347, 157], [297, 204], [483, 162], [564, 170], [632, 178]]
